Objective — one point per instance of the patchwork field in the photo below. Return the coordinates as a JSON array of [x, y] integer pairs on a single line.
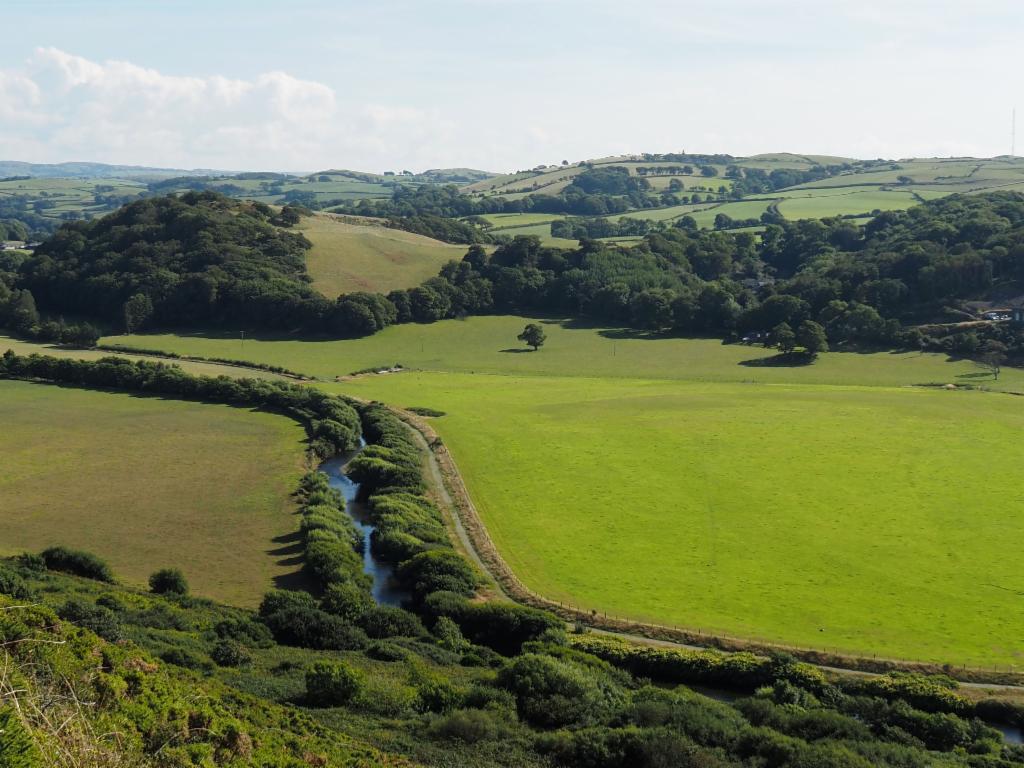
[[348, 257], [147, 483]]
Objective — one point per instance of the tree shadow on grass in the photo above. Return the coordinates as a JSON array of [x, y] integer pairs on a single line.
[[786, 360], [977, 375], [516, 350]]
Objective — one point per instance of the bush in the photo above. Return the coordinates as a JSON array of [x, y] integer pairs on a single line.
[[330, 684], [168, 581], [230, 653], [466, 725], [280, 599], [179, 657], [436, 570], [13, 585], [347, 601], [385, 651], [390, 621], [245, 630], [30, 561], [387, 697], [77, 563], [95, 618], [313, 628]]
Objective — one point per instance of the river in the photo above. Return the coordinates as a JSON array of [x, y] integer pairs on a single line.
[[385, 590]]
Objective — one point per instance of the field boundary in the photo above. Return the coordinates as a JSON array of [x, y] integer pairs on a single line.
[[485, 553]]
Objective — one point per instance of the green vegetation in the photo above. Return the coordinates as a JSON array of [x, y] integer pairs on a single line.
[[142, 481], [780, 512], [347, 257]]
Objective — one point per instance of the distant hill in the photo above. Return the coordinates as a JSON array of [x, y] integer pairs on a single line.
[[94, 170]]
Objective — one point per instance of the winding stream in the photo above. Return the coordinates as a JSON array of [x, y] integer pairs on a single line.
[[385, 588]]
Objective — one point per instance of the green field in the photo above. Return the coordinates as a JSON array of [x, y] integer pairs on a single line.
[[684, 481], [846, 203], [481, 344], [874, 520], [149, 482], [348, 257]]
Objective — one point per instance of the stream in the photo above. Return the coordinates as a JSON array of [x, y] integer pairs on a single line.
[[385, 589]]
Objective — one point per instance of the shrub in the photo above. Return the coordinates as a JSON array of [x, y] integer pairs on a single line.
[[436, 570], [437, 695], [168, 581], [347, 601], [13, 585], [554, 692], [180, 657], [313, 628], [230, 653], [391, 621], [245, 630], [77, 563], [280, 599], [385, 651], [466, 725], [330, 684], [30, 561], [95, 618], [387, 697]]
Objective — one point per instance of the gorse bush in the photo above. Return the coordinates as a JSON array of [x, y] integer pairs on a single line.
[[168, 581], [77, 563], [330, 684]]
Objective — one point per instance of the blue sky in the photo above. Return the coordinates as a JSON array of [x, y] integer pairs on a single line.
[[501, 84]]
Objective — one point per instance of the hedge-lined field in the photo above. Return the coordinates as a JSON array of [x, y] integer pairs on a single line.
[[149, 482], [488, 345], [869, 519]]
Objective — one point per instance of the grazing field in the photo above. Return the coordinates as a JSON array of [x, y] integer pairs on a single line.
[[148, 483], [348, 257], [873, 520], [691, 482], [489, 345], [848, 203]]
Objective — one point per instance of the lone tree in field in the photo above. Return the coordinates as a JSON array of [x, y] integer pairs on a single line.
[[992, 357], [533, 335], [784, 338], [811, 336]]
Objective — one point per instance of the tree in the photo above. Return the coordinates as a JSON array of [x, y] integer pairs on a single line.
[[137, 310], [168, 581], [533, 335], [993, 355], [811, 336], [784, 338]]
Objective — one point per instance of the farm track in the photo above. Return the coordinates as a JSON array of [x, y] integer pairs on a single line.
[[474, 540]]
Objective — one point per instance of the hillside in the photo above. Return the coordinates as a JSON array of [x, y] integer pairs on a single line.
[[350, 255]]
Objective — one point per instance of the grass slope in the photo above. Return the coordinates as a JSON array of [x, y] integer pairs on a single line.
[[349, 257], [147, 483]]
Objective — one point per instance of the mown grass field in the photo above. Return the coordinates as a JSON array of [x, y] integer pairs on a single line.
[[874, 520], [688, 482], [148, 483], [348, 257]]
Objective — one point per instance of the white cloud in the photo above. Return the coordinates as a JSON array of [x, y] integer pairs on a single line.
[[59, 106]]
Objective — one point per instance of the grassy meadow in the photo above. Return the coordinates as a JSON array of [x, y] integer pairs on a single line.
[[690, 482], [348, 257], [869, 519], [150, 482]]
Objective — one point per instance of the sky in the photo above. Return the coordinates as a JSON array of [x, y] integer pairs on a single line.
[[501, 85]]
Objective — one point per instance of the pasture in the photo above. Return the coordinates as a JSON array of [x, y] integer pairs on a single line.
[[348, 257], [873, 520], [689, 482], [489, 345], [147, 483]]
